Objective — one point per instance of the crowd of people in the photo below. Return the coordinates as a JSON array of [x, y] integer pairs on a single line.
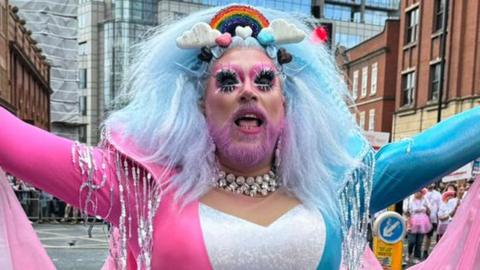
[[42, 207], [428, 213]]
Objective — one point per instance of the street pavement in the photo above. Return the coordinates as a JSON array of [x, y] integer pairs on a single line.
[[70, 248]]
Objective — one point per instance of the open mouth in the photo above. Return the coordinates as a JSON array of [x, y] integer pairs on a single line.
[[249, 121]]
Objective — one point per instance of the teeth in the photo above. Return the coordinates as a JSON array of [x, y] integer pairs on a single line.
[[250, 115], [248, 124], [248, 120]]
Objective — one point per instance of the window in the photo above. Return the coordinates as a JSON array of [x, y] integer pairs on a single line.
[[83, 105], [391, 4], [438, 15], [82, 78], [3, 19], [361, 121], [408, 88], [355, 85], [82, 48], [178, 15], [371, 119], [375, 17], [348, 40], [434, 81], [82, 134], [338, 13], [373, 82], [412, 25], [82, 21], [364, 81]]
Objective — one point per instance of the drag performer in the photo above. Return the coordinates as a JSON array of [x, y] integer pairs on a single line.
[[236, 150]]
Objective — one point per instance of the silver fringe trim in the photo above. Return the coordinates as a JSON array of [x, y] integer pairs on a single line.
[[354, 206], [82, 156], [139, 196]]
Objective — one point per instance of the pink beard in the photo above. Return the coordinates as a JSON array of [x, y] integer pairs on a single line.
[[250, 151]]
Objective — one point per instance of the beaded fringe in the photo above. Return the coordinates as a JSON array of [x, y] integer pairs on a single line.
[[354, 206], [138, 193]]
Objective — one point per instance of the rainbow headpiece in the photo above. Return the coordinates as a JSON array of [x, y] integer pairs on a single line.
[[227, 20], [241, 21]]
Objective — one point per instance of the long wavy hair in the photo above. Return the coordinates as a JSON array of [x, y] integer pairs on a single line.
[[164, 85]]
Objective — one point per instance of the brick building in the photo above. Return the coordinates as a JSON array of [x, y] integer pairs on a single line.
[[370, 68], [24, 73], [418, 76]]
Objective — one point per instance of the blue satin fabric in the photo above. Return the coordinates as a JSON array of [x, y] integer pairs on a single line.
[[332, 254], [406, 166]]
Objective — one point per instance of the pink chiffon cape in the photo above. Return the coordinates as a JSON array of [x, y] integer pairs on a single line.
[[20, 247]]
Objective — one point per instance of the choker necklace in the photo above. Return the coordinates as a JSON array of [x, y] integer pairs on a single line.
[[250, 186]]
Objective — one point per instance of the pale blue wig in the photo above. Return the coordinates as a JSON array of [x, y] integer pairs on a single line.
[[164, 86]]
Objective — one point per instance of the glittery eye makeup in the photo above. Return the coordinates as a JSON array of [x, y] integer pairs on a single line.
[[231, 77], [227, 80], [265, 79]]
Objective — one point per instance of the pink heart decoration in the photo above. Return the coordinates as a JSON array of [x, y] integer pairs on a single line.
[[224, 40]]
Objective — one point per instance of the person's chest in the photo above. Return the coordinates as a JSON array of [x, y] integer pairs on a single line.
[[201, 237]]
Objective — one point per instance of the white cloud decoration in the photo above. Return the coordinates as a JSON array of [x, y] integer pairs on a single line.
[[284, 32], [199, 36]]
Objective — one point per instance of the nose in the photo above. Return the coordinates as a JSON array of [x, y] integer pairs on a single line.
[[248, 93]]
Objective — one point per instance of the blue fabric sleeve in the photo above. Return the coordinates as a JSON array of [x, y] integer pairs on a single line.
[[332, 253], [406, 166]]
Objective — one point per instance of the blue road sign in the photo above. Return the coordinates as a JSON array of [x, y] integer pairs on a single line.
[[390, 227]]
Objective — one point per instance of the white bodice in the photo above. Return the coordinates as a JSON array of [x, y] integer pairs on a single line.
[[296, 240]]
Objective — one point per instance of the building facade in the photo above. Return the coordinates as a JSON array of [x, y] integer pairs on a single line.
[[54, 26], [355, 20], [106, 32], [371, 70], [24, 72], [420, 57]]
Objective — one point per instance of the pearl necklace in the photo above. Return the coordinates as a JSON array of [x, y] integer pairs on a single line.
[[249, 186]]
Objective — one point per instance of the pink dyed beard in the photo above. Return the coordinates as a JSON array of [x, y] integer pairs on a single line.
[[250, 152]]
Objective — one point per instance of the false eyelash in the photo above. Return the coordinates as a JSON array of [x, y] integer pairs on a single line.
[[264, 79], [227, 80]]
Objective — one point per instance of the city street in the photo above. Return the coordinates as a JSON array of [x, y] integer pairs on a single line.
[[70, 247]]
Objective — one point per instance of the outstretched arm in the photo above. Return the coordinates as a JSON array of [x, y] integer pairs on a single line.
[[45, 161], [406, 166]]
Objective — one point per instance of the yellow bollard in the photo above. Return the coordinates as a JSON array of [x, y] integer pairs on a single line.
[[389, 230]]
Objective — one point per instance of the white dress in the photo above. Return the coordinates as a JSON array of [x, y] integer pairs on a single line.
[[232, 242]]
